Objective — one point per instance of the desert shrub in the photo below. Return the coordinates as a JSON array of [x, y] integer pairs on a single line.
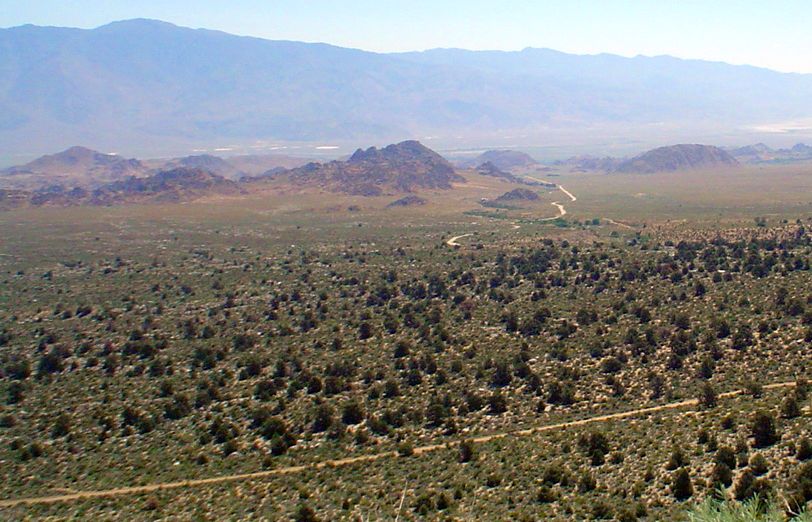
[[595, 445], [763, 429], [62, 426], [681, 486], [467, 451], [727, 456], [748, 487], [721, 475], [352, 412], [497, 404], [758, 464], [546, 495], [707, 396], [405, 449], [323, 418], [789, 407], [305, 513], [803, 451]]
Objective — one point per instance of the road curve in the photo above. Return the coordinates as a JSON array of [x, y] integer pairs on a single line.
[[453, 241], [148, 488]]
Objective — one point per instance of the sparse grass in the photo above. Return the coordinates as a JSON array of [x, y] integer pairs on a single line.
[[754, 510]]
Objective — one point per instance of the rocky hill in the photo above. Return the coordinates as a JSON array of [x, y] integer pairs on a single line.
[[678, 157], [404, 167], [74, 167]]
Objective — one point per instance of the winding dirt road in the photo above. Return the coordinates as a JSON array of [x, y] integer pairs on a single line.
[[561, 212], [148, 488]]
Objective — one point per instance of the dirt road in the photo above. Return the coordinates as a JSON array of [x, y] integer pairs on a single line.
[[561, 210], [135, 490], [618, 223], [453, 241]]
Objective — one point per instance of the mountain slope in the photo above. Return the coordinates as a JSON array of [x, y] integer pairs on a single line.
[[147, 84]]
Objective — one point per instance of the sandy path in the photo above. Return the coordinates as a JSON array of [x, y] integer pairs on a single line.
[[134, 490]]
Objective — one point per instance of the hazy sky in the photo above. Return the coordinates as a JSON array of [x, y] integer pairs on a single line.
[[768, 33]]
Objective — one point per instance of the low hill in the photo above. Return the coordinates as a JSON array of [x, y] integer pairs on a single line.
[[588, 163], [753, 153], [678, 157], [207, 162], [489, 169], [76, 166], [256, 164], [404, 167], [502, 159], [407, 201], [518, 194]]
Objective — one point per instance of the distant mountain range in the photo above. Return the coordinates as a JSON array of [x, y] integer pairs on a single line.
[[761, 153], [89, 169], [141, 84]]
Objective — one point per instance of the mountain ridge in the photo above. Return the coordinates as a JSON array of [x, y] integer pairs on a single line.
[[142, 83]]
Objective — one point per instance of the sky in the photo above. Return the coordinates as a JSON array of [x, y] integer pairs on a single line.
[[766, 33]]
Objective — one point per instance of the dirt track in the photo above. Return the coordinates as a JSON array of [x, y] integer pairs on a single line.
[[561, 210], [453, 241], [618, 223], [134, 490]]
